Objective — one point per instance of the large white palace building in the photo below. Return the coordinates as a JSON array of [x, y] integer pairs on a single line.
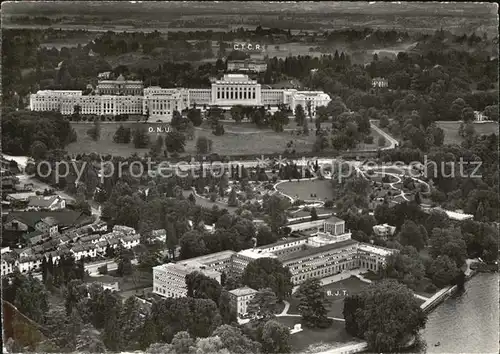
[[319, 254], [114, 97]]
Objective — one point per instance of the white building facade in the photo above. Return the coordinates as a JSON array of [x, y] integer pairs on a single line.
[[240, 298], [116, 97]]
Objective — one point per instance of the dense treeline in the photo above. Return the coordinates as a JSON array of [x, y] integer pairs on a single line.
[[23, 130]]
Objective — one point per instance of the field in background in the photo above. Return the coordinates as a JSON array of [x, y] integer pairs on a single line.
[[451, 130]]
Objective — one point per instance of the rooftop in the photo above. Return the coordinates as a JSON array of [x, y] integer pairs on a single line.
[[256, 253], [64, 217], [334, 219], [243, 291], [184, 268], [281, 242], [214, 257], [42, 201], [313, 250], [381, 251]]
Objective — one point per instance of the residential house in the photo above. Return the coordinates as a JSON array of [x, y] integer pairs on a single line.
[[84, 250], [159, 235], [9, 263], [31, 263], [49, 225], [380, 82], [384, 230], [52, 202], [130, 241], [26, 221]]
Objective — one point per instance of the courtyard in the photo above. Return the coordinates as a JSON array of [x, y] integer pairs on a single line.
[[335, 293]]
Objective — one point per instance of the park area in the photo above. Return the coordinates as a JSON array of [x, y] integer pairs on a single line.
[[335, 292], [236, 141], [239, 139], [322, 189], [309, 339], [451, 130]]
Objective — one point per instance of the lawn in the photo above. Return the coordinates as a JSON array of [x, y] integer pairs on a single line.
[[303, 189], [239, 139], [308, 338], [451, 130], [238, 143], [336, 292]]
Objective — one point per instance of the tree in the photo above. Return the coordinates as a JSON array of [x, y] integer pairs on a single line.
[[263, 305], [232, 200], [275, 338], [265, 235], [38, 150], [237, 113], [386, 315], [308, 107], [384, 121], [314, 214], [448, 242], [491, 112], [381, 141], [157, 148], [305, 127], [313, 304], [219, 130], [122, 135], [467, 114], [268, 273], [194, 115], [274, 208], [192, 245], [89, 341], [203, 145], [140, 138], [299, 115], [412, 235], [235, 341], [175, 141], [443, 271], [27, 294], [200, 286], [177, 121], [227, 309], [95, 131], [124, 260]]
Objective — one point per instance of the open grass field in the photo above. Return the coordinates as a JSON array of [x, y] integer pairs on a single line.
[[451, 130], [302, 341], [336, 292], [303, 189], [239, 139]]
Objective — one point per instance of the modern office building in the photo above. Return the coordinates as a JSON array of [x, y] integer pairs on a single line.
[[328, 251], [115, 97], [169, 279]]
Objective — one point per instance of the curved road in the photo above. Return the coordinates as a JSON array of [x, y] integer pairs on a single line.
[[393, 142]]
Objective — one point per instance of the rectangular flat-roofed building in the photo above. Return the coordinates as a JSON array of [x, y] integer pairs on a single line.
[[169, 280]]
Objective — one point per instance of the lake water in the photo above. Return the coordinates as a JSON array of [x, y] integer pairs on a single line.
[[467, 322]]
